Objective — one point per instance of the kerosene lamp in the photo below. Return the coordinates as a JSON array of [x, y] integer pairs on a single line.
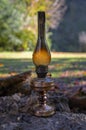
[[41, 59]]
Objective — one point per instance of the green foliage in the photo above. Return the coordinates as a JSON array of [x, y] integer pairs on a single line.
[[10, 21], [28, 40], [18, 24]]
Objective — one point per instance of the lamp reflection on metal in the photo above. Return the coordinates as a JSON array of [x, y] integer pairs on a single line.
[[41, 59]]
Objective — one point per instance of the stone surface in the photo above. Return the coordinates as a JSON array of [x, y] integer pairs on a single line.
[[59, 121], [16, 114]]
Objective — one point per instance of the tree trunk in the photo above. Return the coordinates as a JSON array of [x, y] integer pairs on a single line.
[[12, 84]]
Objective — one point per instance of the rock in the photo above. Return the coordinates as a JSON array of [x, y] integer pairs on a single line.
[[60, 101], [59, 121], [16, 97], [13, 109], [17, 114]]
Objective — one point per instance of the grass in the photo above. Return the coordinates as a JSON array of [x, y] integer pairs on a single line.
[[62, 64]]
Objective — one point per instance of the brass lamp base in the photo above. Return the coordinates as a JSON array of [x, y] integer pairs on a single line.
[[43, 110], [42, 85]]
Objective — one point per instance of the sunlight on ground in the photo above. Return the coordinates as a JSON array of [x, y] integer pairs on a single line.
[[16, 55]]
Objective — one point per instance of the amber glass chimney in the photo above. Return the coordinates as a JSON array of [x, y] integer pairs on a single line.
[[41, 55]]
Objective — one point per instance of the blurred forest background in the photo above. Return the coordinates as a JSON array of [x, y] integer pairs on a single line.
[[65, 25]]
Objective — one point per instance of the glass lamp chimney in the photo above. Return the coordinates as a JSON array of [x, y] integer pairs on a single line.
[[41, 54]]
